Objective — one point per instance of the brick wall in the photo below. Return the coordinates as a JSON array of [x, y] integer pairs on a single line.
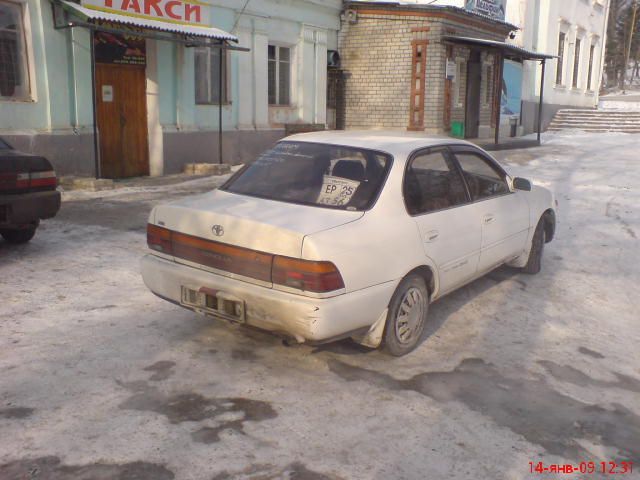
[[376, 57]]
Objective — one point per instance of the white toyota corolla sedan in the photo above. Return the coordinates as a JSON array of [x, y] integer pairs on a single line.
[[347, 234]]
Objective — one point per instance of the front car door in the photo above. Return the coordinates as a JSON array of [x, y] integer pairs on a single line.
[[436, 197], [504, 213]]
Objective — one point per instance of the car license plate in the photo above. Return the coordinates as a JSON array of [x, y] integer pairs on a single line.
[[214, 302]]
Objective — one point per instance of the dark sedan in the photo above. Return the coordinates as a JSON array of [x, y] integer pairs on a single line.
[[27, 193]]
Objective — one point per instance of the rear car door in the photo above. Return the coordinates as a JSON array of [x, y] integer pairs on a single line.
[[504, 213], [449, 225]]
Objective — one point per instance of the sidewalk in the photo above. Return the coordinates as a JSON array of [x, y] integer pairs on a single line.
[[70, 183]]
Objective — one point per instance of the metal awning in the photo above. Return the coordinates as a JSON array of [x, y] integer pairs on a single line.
[[509, 51], [90, 15]]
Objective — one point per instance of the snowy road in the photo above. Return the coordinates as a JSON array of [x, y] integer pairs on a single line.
[[101, 380]]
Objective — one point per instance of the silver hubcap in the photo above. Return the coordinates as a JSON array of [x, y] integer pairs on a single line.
[[410, 315]]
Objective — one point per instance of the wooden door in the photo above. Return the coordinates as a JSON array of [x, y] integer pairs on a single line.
[[122, 120], [474, 80]]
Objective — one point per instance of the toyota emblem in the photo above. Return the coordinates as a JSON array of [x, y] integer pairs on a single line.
[[218, 230]]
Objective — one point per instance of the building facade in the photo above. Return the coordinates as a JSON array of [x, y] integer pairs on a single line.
[[160, 97], [575, 31], [404, 70]]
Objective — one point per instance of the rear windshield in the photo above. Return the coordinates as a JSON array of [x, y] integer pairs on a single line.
[[317, 174]]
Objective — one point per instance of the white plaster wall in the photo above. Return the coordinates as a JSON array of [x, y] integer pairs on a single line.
[[541, 21]]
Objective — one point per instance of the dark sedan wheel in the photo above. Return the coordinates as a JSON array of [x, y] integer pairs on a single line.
[[18, 236], [407, 316]]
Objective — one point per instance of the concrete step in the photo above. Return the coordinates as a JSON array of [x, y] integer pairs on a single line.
[[600, 115], [595, 129], [559, 121], [596, 121]]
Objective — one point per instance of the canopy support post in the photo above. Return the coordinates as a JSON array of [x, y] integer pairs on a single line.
[[94, 102], [498, 99], [220, 52], [541, 97]]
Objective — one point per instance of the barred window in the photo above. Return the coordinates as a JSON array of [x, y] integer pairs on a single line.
[[14, 73], [279, 75], [207, 76]]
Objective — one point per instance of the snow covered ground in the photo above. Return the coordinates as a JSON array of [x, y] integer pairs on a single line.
[[99, 379]]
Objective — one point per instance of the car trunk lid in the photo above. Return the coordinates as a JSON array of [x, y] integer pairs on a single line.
[[253, 223]]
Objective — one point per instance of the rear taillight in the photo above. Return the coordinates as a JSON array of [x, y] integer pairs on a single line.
[[44, 179], [20, 181], [238, 260], [159, 239], [306, 275]]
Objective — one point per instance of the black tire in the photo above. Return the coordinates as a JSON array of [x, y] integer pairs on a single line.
[[407, 316], [22, 235], [534, 263]]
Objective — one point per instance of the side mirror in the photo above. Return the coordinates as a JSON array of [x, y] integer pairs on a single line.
[[522, 184]]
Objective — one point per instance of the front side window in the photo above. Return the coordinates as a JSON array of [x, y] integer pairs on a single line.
[[484, 179], [207, 75], [561, 38], [14, 73], [279, 75], [315, 174], [432, 183]]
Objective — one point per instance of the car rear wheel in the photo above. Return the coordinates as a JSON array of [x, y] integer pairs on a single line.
[[406, 316], [22, 235], [534, 263]]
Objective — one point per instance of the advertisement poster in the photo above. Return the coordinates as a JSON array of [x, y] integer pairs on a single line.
[[489, 8], [120, 49], [511, 99]]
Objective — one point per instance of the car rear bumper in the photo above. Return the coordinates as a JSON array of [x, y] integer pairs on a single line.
[[29, 207], [306, 319]]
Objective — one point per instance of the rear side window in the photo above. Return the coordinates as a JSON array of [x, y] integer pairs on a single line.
[[432, 183], [4, 145], [329, 176], [484, 179]]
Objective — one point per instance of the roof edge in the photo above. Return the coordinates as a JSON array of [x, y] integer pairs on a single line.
[[405, 7]]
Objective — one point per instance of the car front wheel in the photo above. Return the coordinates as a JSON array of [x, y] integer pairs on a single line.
[[534, 263], [406, 316], [22, 235]]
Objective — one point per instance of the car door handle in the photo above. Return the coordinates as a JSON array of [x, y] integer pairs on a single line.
[[489, 218], [431, 236]]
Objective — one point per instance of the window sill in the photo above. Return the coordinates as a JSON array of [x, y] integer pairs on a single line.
[[16, 100], [273, 105], [560, 87], [226, 104]]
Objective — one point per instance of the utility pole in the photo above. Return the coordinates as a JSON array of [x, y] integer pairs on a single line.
[[628, 52]]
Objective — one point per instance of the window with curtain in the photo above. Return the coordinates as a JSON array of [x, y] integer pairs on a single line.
[[279, 75], [14, 73], [207, 76]]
